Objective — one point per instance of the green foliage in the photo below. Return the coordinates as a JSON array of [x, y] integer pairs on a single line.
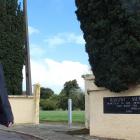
[[12, 44], [112, 34], [79, 101], [47, 104], [63, 102], [51, 103], [46, 93], [71, 90], [70, 87]]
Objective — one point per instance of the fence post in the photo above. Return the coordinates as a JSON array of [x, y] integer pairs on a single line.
[[69, 113]]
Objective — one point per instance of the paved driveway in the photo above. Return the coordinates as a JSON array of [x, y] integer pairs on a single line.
[[43, 132], [6, 135]]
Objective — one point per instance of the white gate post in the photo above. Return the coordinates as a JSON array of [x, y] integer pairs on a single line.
[[69, 112]]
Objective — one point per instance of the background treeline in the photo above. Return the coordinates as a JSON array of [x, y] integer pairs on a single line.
[[51, 101]]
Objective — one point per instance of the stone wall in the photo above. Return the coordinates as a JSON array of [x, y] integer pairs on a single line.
[[26, 108], [110, 125]]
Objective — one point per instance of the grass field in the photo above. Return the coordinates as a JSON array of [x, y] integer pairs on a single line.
[[61, 116]]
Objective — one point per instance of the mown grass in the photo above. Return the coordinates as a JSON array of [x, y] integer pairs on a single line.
[[61, 116]]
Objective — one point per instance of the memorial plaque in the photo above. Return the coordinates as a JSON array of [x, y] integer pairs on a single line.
[[122, 105]]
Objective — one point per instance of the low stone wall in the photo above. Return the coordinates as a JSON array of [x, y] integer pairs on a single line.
[[110, 125], [26, 108]]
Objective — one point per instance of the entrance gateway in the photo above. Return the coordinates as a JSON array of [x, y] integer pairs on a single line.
[[112, 115]]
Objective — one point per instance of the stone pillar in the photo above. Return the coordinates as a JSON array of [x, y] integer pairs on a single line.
[[36, 102], [121, 122], [87, 78]]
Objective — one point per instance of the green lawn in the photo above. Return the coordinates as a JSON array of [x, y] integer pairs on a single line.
[[61, 116]]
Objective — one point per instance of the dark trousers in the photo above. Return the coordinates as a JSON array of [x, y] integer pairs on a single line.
[[6, 114]]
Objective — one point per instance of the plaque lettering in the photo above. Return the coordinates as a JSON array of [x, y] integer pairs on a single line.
[[122, 105]]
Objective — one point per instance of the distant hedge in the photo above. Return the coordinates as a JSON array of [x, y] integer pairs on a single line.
[[12, 44], [47, 104], [112, 34]]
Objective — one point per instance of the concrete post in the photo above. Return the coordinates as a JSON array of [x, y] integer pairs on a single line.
[[36, 102], [69, 112]]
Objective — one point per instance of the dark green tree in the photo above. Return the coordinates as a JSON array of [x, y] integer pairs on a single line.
[[51, 103], [12, 44], [112, 33], [46, 93], [70, 87], [71, 90]]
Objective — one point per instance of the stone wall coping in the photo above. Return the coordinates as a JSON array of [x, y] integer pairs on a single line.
[[93, 87], [91, 78], [91, 90], [20, 96], [97, 89], [88, 77]]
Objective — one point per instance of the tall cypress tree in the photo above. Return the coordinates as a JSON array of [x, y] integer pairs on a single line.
[[112, 34], [12, 44]]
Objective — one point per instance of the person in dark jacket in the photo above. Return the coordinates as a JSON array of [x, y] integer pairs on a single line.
[[6, 115]]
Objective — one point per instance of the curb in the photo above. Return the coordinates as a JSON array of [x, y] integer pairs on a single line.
[[23, 133]]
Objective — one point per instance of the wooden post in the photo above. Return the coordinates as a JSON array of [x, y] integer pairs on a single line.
[[27, 52]]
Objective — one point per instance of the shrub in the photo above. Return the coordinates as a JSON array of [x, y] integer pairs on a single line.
[[46, 93], [48, 104]]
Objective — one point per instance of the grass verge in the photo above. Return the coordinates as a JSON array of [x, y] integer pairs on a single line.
[[61, 116]]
